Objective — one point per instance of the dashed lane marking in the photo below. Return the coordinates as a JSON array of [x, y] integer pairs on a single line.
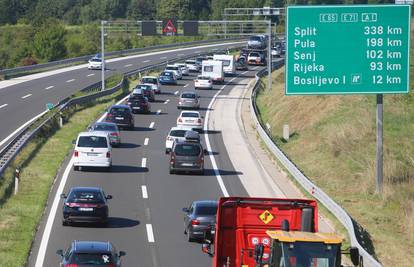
[[89, 75], [71, 80], [152, 125], [176, 92], [150, 233], [146, 141], [4, 105], [144, 191], [128, 65], [49, 87], [159, 112], [144, 163], [166, 102], [26, 96]]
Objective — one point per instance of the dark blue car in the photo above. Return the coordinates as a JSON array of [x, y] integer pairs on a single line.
[[167, 77]]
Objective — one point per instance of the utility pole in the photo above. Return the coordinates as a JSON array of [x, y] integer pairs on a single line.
[[103, 22]]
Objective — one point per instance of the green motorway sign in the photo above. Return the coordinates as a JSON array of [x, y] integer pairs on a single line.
[[358, 49]]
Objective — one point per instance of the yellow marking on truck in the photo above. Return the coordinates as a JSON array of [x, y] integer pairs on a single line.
[[266, 217]]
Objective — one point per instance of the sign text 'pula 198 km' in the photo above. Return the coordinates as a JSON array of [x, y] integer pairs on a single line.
[[360, 49]]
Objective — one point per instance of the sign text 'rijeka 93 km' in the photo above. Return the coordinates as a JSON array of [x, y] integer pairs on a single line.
[[360, 49]]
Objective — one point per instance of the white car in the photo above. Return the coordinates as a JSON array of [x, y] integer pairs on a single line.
[[154, 83], [95, 63], [176, 134], [176, 70], [190, 120], [192, 65], [184, 69], [203, 82], [92, 149]]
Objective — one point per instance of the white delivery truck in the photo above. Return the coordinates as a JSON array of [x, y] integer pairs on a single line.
[[213, 69], [229, 63]]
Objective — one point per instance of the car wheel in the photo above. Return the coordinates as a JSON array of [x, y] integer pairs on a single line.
[[65, 223], [108, 169], [190, 238], [76, 168], [201, 172], [172, 171]]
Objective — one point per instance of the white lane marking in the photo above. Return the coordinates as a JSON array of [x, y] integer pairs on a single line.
[[50, 219], [152, 125], [49, 87], [150, 233], [89, 75], [197, 51], [144, 191], [26, 96], [186, 85], [180, 55], [145, 61], [207, 140], [146, 141], [71, 80], [166, 102], [144, 163], [128, 65], [159, 112], [176, 93], [4, 105], [163, 57]]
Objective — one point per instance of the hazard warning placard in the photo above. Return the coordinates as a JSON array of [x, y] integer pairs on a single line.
[[169, 27], [266, 217]]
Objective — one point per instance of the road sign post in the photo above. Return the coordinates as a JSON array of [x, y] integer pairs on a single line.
[[359, 49]]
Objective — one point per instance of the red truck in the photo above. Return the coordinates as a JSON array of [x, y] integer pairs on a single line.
[[251, 232]]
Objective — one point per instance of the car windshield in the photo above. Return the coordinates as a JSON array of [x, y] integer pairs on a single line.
[[92, 141], [149, 80], [96, 60], [187, 150], [92, 197], [206, 210], [177, 133], [190, 61], [92, 259], [104, 127], [188, 95], [255, 38], [119, 111], [190, 115], [254, 55]]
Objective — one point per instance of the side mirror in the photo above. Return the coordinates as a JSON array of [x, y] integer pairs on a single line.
[[258, 253], [186, 210], [59, 252], [63, 196], [109, 197], [73, 142], [122, 253], [354, 253]]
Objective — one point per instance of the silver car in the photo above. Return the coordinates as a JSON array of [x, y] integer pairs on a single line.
[[188, 99], [198, 218], [110, 128]]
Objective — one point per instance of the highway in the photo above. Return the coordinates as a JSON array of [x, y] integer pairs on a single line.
[[145, 215], [26, 97]]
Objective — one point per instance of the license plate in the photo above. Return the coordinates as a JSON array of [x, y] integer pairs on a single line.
[[119, 118], [187, 164], [136, 108], [92, 154], [85, 209]]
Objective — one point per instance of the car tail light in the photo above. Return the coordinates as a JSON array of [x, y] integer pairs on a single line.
[[196, 81], [195, 222], [76, 153], [199, 120], [72, 205], [71, 265], [180, 120], [114, 134], [108, 154], [169, 138]]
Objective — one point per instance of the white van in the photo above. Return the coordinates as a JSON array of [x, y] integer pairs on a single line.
[[92, 149], [213, 69], [229, 63]]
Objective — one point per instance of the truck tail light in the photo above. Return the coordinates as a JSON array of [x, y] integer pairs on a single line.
[[108, 154], [76, 153], [195, 222]]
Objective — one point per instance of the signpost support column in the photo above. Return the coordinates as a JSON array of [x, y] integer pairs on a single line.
[[269, 56], [103, 55], [379, 170]]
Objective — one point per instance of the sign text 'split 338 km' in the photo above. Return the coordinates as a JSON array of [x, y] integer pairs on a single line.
[[347, 49]]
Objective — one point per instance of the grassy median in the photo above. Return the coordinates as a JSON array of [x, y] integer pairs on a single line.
[[39, 163], [333, 141]]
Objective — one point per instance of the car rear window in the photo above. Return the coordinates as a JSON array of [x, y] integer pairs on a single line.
[[166, 74], [255, 38], [96, 60], [177, 133], [92, 141], [206, 210], [171, 68], [254, 54], [187, 150], [92, 259], [188, 96], [143, 87], [92, 197], [104, 127], [149, 80], [190, 61], [203, 78], [119, 110], [189, 115]]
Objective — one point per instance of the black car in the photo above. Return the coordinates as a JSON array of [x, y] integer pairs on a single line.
[[90, 253], [187, 157], [121, 115], [85, 204], [145, 90], [241, 63], [139, 104], [198, 218]]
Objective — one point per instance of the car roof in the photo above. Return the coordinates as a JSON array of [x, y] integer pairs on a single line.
[[82, 188], [177, 128], [189, 111], [92, 246], [119, 106], [204, 203], [171, 65], [104, 123], [189, 92], [93, 133], [152, 77]]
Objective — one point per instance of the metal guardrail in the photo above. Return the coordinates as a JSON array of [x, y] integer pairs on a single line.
[[68, 61], [311, 188], [12, 149]]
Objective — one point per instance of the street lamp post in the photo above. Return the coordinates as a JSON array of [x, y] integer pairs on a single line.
[[103, 22]]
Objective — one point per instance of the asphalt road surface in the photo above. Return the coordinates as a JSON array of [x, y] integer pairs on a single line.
[[147, 224]]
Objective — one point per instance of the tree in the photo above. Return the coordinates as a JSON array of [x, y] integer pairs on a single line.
[[141, 10], [49, 42]]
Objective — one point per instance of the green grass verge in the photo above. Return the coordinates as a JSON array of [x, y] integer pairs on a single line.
[[333, 141], [39, 163]]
